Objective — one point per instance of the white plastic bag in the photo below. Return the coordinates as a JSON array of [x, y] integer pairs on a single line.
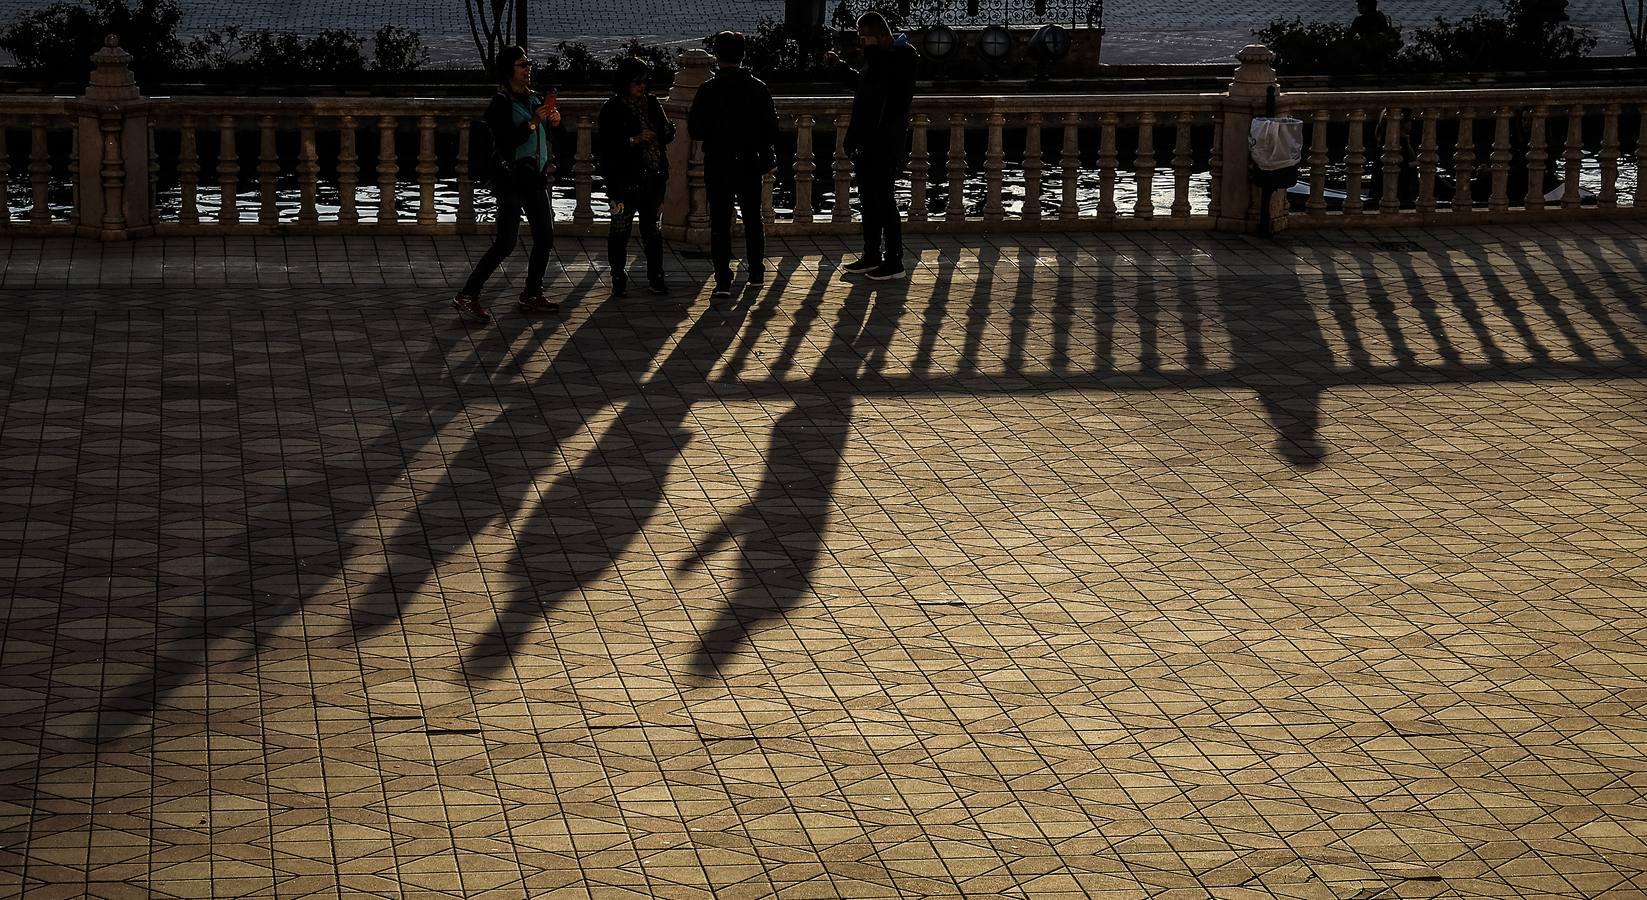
[[1276, 143]]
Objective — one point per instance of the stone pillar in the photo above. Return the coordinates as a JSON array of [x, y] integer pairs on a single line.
[[112, 134], [1238, 198], [685, 213]]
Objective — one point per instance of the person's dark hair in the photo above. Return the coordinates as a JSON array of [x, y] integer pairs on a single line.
[[629, 71], [729, 48], [875, 23], [504, 67]]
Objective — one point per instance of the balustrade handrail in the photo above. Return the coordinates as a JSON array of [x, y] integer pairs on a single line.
[[1306, 101], [167, 108], [1017, 103]]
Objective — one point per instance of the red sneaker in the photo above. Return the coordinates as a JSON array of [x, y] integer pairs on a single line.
[[468, 306], [536, 302]]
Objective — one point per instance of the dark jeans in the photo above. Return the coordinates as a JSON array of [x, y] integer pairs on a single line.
[[729, 187], [526, 194], [877, 175], [643, 202]]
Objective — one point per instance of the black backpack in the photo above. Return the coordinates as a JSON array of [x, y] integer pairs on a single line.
[[486, 162]]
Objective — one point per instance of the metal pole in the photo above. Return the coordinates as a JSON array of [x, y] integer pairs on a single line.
[[520, 24]]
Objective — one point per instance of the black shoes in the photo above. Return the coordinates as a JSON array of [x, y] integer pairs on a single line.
[[861, 265], [620, 284], [723, 288], [889, 270], [657, 285], [757, 274]]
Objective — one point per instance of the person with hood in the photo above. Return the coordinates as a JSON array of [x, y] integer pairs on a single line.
[[519, 123], [735, 118], [634, 134], [878, 141]]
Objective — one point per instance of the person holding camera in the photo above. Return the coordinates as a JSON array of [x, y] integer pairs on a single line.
[[877, 140], [634, 134], [519, 121], [735, 118]]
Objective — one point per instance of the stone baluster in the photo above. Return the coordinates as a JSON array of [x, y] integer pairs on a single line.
[[995, 168], [1429, 158], [1069, 160], [583, 172], [957, 168], [1390, 202], [348, 172], [1316, 207], [1355, 162], [268, 172], [1608, 198], [1215, 168], [39, 173], [465, 176], [387, 168], [1108, 163], [1499, 161], [769, 185], [5, 173], [1464, 162], [1538, 158], [841, 212], [113, 173], [1034, 166], [428, 166], [154, 176], [1573, 156], [1183, 165], [1144, 168], [188, 173], [920, 166], [804, 169], [308, 172], [74, 179], [228, 173], [1641, 157], [697, 192]]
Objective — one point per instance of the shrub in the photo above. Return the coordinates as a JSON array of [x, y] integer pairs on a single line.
[[333, 55], [1530, 34], [774, 54], [576, 64], [58, 41], [397, 50]]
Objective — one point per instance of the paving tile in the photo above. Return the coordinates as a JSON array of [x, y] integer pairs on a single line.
[[1308, 569]]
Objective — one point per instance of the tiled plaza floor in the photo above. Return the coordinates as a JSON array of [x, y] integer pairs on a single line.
[[1111, 566]]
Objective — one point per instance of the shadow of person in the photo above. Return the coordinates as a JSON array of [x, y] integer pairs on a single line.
[[590, 517], [780, 532], [1280, 352]]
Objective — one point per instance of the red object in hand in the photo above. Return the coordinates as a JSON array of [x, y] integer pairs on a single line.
[[549, 100]]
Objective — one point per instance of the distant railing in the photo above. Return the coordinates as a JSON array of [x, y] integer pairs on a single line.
[[1466, 154], [242, 165]]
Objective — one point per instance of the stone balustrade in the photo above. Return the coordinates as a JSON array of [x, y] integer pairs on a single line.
[[243, 165]]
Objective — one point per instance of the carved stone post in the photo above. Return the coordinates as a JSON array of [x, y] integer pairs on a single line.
[[1253, 79], [679, 199], [112, 143]]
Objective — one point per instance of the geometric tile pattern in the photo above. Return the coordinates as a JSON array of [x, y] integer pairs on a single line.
[[1112, 566]]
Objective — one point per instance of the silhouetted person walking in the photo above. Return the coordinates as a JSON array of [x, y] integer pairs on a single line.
[[519, 121], [634, 135], [733, 115], [878, 141]]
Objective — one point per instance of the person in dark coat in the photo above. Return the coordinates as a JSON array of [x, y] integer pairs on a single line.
[[634, 160], [735, 118], [878, 141], [519, 121]]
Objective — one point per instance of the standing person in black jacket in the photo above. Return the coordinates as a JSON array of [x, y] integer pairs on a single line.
[[733, 115], [634, 133], [878, 141], [519, 122]]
